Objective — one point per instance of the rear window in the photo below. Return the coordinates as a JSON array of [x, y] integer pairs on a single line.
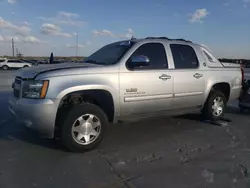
[[2, 60]]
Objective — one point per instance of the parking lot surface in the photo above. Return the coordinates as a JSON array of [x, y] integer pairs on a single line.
[[162, 152]]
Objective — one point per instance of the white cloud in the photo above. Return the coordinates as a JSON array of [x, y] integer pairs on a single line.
[[199, 15], [64, 18], [68, 15], [88, 43], [74, 46], [245, 5], [130, 30], [25, 23], [51, 29], [20, 30], [127, 35], [12, 1], [24, 39], [32, 40], [103, 32], [108, 33]]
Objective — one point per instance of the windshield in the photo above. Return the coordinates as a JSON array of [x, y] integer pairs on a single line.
[[109, 54]]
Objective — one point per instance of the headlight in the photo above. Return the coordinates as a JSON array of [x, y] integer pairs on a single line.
[[35, 89]]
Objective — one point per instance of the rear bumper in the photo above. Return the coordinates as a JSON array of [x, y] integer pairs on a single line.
[[39, 115]]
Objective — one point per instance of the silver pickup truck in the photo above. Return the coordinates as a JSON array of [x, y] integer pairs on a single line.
[[123, 81]]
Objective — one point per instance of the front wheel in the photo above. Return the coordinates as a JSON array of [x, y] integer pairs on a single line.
[[215, 106], [5, 67], [25, 66], [83, 128]]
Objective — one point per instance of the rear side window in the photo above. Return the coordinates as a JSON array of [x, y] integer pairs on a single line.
[[2, 60], [156, 54], [184, 56], [13, 61]]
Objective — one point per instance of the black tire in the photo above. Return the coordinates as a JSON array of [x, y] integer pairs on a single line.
[[75, 112], [207, 112], [5, 67], [25, 66]]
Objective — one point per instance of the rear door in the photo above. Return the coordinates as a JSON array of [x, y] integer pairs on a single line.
[[20, 63], [189, 82]]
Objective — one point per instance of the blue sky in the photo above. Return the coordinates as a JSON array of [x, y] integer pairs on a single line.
[[40, 27]]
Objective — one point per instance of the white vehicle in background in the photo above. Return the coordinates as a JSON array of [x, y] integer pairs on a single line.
[[6, 64]]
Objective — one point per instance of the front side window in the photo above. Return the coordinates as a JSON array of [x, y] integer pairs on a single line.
[[156, 54], [184, 56], [109, 54]]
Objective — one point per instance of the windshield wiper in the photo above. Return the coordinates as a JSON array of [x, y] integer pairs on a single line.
[[95, 62]]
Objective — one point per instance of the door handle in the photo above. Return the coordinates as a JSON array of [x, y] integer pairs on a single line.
[[197, 75], [164, 77]]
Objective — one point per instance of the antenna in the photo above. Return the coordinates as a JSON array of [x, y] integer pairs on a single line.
[[76, 44], [13, 47]]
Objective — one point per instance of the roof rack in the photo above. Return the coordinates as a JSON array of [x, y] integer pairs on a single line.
[[183, 40]]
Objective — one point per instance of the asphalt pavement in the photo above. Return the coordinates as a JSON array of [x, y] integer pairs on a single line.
[[173, 152]]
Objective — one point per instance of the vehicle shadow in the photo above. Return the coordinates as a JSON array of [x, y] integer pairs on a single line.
[[10, 131], [119, 135], [149, 130]]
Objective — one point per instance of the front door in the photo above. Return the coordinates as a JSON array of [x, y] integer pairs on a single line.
[[149, 89], [189, 82]]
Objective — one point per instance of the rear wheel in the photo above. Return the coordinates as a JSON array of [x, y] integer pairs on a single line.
[[5, 67], [25, 66], [215, 106], [83, 128]]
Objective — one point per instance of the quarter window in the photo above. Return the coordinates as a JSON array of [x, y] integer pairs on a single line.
[[156, 54], [184, 56], [208, 56]]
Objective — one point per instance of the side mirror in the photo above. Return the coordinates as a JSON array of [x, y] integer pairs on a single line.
[[140, 60]]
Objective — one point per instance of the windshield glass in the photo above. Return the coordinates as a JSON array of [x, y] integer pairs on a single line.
[[109, 54]]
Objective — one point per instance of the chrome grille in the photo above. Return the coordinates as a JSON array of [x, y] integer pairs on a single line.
[[17, 86]]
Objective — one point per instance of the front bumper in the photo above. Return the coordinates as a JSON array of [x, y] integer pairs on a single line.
[[38, 114]]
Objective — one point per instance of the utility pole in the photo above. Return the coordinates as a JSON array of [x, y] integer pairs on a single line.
[[13, 48], [76, 44], [17, 52]]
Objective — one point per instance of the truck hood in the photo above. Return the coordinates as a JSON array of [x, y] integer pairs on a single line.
[[31, 72]]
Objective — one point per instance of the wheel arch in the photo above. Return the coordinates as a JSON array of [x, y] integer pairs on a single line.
[[100, 97], [224, 87]]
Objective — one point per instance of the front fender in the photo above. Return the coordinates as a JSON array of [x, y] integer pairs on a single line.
[[61, 86]]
